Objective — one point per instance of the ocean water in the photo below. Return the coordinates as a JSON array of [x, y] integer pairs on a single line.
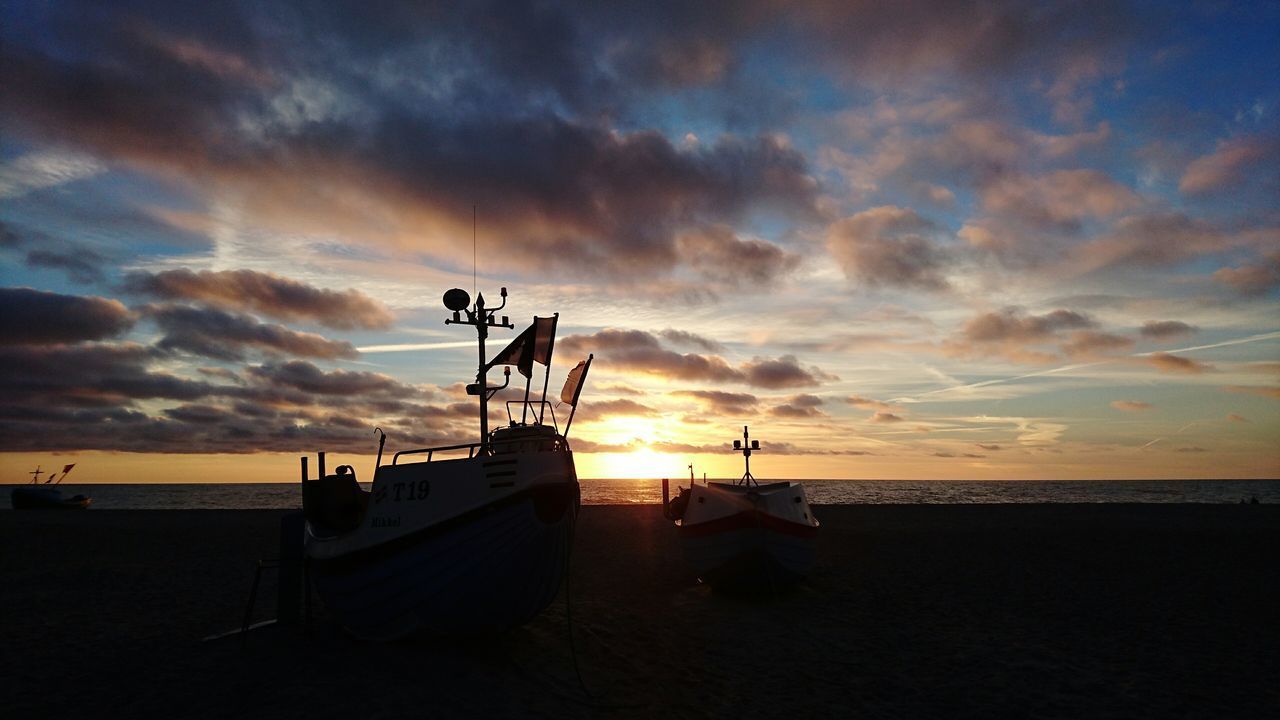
[[821, 492]]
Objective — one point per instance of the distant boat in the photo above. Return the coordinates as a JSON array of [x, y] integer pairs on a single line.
[[467, 545], [38, 496], [745, 536]]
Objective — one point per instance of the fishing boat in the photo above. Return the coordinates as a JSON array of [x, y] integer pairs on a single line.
[[460, 539], [745, 536], [38, 496]]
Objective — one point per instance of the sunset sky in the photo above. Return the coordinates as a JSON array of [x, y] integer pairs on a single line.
[[900, 240]]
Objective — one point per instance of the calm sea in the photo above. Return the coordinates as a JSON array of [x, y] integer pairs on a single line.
[[823, 492]]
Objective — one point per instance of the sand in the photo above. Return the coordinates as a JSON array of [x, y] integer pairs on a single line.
[[914, 611]]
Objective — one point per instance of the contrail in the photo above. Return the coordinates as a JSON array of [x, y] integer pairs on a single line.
[[1238, 341], [414, 346], [1224, 343]]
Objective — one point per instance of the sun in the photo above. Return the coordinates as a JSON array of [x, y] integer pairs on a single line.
[[641, 463]]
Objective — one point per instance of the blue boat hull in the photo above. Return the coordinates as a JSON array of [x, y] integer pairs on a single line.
[[485, 572]]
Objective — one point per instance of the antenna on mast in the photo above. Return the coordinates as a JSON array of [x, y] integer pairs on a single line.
[[473, 248]]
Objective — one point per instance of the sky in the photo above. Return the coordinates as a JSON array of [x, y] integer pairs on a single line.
[[913, 240]]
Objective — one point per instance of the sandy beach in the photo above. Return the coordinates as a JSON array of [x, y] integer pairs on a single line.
[[913, 611]]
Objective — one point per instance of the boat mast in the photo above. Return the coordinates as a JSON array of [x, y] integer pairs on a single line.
[[482, 319], [746, 445], [35, 475]]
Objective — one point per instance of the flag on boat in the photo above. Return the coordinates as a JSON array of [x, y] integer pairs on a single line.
[[67, 469], [533, 345], [573, 383]]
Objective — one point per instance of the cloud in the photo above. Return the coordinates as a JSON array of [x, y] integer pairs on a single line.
[[1235, 417], [45, 168], [885, 417], [1149, 240], [83, 266], [1226, 166], [30, 316], [799, 406], [1010, 324], [1131, 405], [783, 372], [889, 247], [721, 402], [868, 403], [305, 376], [1013, 334], [988, 446], [681, 337], [641, 351], [719, 254], [221, 335], [93, 375], [1065, 197], [1191, 449], [1089, 343], [264, 293], [622, 407], [1259, 390], [1164, 362], [1166, 329], [1252, 280]]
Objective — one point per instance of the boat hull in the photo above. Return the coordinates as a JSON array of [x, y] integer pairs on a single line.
[[491, 569], [35, 498], [750, 552]]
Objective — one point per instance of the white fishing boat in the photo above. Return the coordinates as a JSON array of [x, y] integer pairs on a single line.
[[459, 539], [745, 536], [43, 496]]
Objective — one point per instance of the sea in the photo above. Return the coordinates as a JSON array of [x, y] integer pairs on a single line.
[[278, 496]]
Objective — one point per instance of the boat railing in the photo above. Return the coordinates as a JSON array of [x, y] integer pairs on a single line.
[[471, 449], [531, 413]]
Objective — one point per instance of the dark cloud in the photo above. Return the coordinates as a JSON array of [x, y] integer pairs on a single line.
[[221, 335], [783, 372], [89, 376], [82, 265], [622, 407], [799, 406], [1166, 329], [989, 447], [37, 317], [718, 254], [885, 417], [889, 247], [264, 293], [1013, 334], [1012, 324], [681, 337], [721, 402], [640, 351], [306, 377]]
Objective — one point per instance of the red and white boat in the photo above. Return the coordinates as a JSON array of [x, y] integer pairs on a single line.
[[745, 536]]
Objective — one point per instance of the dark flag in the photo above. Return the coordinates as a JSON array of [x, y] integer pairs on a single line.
[[544, 338], [532, 345]]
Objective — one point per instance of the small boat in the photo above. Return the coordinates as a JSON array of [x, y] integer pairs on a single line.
[[471, 544], [37, 496], [746, 536]]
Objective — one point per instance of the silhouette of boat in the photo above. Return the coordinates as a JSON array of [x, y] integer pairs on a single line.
[[745, 536], [37, 496], [473, 544]]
